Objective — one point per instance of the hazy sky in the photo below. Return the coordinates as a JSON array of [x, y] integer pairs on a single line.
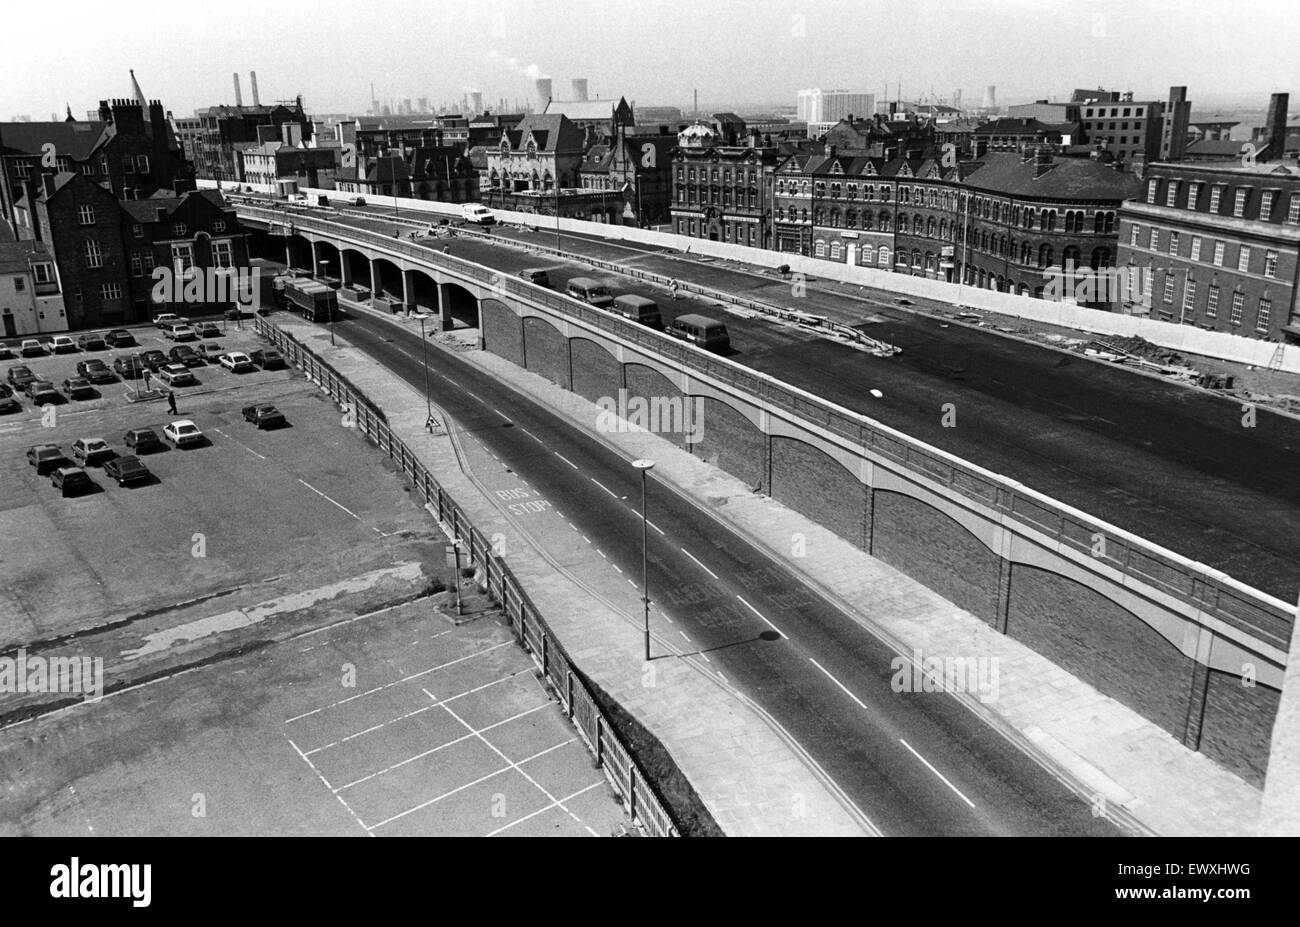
[[652, 51]]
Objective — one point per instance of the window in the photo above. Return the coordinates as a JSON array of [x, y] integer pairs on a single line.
[[1293, 209], [110, 291], [1218, 253], [1216, 192], [1189, 302], [1193, 194], [820, 249], [137, 266], [1212, 302], [20, 285], [219, 225], [85, 215], [1266, 205], [1173, 242], [1169, 288], [1133, 235], [1270, 263], [94, 257], [1261, 317], [22, 169], [1196, 247], [1152, 184], [1243, 259], [44, 273], [146, 260], [182, 257], [1239, 202], [1154, 243], [1171, 193], [178, 229], [1238, 301]]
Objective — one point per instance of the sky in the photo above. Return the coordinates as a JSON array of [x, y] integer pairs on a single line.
[[737, 53]]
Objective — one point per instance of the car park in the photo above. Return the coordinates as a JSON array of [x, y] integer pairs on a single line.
[[154, 360], [9, 405], [143, 440], [180, 332], [184, 354], [90, 451], [47, 457], [208, 351], [62, 344], [167, 319], [72, 481], [129, 366], [264, 416], [41, 391], [32, 348], [91, 343], [78, 388], [19, 376], [268, 359], [237, 362], [95, 370], [120, 338], [176, 375], [127, 469], [183, 433]]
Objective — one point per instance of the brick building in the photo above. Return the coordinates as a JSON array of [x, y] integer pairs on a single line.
[[224, 130], [1126, 128], [640, 168], [723, 191], [31, 301]]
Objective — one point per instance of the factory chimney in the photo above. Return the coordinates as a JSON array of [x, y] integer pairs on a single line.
[[239, 95], [542, 86], [252, 79], [475, 102], [1275, 127], [580, 88]]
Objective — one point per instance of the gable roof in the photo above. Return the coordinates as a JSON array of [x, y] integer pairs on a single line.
[[76, 140], [1065, 178], [551, 132]]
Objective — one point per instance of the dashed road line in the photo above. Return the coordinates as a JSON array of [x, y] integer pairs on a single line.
[[762, 616], [941, 776], [329, 500], [566, 460], [843, 688], [699, 564], [604, 487]]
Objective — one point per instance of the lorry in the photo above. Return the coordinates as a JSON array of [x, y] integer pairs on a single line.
[[313, 299]]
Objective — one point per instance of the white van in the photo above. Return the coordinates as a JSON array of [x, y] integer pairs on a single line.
[[478, 214]]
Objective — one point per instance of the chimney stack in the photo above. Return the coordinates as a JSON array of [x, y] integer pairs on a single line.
[[1042, 160], [475, 102], [580, 88], [1275, 127], [239, 94], [542, 87], [252, 79]]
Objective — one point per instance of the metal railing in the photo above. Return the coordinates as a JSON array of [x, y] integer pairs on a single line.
[[525, 620], [1197, 585]]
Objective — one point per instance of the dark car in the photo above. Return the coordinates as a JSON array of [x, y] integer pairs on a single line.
[[72, 481], [126, 469], [5, 391], [96, 371], [120, 338], [143, 440], [91, 343], [208, 330], [268, 359], [47, 457], [184, 354], [31, 348], [78, 388], [264, 416], [42, 391], [129, 366], [9, 405], [19, 376], [154, 359]]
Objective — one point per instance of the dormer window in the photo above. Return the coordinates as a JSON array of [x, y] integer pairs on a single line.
[[179, 229]]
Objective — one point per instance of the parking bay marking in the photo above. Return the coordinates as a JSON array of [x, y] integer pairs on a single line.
[[329, 500]]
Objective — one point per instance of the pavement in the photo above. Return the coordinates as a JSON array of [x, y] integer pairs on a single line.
[[1131, 769]]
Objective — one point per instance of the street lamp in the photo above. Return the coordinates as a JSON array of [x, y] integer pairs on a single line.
[[644, 465], [424, 348]]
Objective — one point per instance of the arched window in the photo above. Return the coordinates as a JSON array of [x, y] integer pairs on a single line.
[[851, 219], [820, 250], [884, 220], [835, 218], [918, 224], [1100, 257], [882, 259], [1070, 256], [819, 217], [916, 259], [1045, 256], [866, 219], [1049, 220], [837, 251], [902, 222]]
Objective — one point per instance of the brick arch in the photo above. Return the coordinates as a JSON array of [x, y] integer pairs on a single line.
[[727, 439], [818, 486], [546, 350], [503, 331], [596, 371], [649, 383]]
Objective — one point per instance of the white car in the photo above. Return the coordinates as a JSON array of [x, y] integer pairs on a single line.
[[182, 433], [167, 319], [179, 331], [62, 344], [176, 375], [236, 361]]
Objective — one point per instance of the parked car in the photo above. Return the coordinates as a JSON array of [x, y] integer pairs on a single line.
[[183, 433], [5, 391], [96, 371], [184, 354], [264, 416], [176, 375], [72, 481], [268, 359], [166, 319], [62, 344], [477, 213], [208, 330], [536, 275], [127, 469], [129, 366], [90, 451], [180, 331], [78, 388], [143, 440], [120, 338], [208, 351], [6, 350], [9, 405], [47, 457], [237, 362], [701, 331], [154, 360], [91, 343], [32, 348], [589, 291], [42, 391], [19, 376]]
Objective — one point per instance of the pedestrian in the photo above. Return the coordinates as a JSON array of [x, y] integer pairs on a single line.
[[171, 402]]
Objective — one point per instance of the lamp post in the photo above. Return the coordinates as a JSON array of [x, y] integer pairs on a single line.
[[644, 466], [424, 349]]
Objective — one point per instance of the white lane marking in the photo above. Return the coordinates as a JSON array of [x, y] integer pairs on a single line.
[[240, 443], [601, 552], [616, 568], [843, 688], [760, 615], [633, 584], [653, 525], [699, 564], [706, 658], [502, 414], [328, 499], [602, 486], [936, 772], [558, 803], [573, 526], [587, 539], [327, 785], [566, 460], [530, 434], [683, 634]]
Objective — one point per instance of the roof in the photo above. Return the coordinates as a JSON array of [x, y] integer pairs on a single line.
[[1009, 125], [1213, 148], [1066, 178], [551, 132], [145, 211], [77, 140], [16, 256], [586, 110]]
